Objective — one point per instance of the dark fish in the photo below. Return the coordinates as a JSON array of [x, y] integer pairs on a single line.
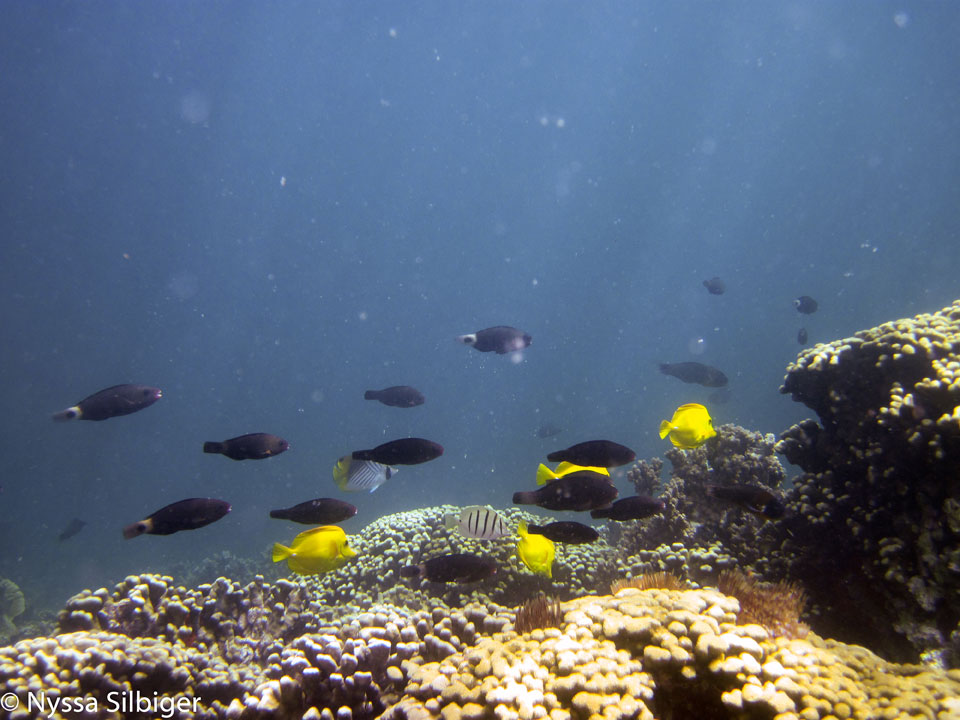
[[397, 396], [595, 453], [255, 446], [634, 507], [322, 511], [548, 430], [188, 514], [72, 528], [715, 286], [757, 500], [802, 336], [112, 402], [455, 567], [572, 533], [583, 490], [694, 372], [405, 451], [500, 339], [805, 304]]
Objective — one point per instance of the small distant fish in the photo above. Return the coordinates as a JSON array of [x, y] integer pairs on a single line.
[[72, 528], [478, 522], [719, 397], [361, 475], [802, 336], [500, 339], [322, 511], [757, 500], [696, 373], [566, 531], [635, 507], [595, 453], [548, 431], [454, 567], [254, 446], [402, 396], [715, 286], [188, 514], [112, 402], [545, 474], [535, 551], [577, 491], [405, 451], [805, 305], [689, 428], [318, 550]]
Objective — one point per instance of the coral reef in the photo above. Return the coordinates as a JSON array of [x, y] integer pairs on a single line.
[[873, 525], [11, 605]]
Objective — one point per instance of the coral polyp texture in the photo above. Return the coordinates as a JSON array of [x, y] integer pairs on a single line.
[[873, 525]]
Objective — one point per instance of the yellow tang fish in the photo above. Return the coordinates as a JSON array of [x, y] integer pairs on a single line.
[[545, 474], [690, 426], [535, 551], [317, 550]]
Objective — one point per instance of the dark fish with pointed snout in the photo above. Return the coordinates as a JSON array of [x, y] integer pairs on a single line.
[[635, 507], [715, 286], [566, 531], [806, 305], [695, 373], [254, 446], [188, 514], [583, 490], [72, 528], [112, 402], [500, 339], [322, 511], [452, 568], [402, 396], [751, 498], [405, 451], [595, 453]]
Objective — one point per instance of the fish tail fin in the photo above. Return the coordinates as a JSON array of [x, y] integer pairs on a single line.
[[545, 475], [370, 395], [522, 529], [600, 513], [213, 447], [281, 552], [450, 520], [341, 473], [524, 498], [664, 429], [137, 528], [69, 414]]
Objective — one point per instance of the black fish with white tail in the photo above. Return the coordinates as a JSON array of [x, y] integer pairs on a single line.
[[405, 451], [583, 490], [402, 396], [805, 305], [757, 500], [322, 511], [715, 286], [254, 446], [635, 507], [565, 531], [72, 528], [501, 339], [112, 402], [595, 453], [188, 514], [695, 373], [452, 568]]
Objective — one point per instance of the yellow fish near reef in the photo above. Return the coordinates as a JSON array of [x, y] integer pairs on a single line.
[[690, 426], [535, 551], [318, 550], [545, 474]]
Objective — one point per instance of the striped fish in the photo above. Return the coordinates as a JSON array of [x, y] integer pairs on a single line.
[[479, 522], [356, 475]]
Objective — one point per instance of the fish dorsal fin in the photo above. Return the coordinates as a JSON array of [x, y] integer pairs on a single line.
[[314, 531], [691, 406]]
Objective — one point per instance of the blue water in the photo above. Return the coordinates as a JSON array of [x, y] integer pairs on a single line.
[[267, 208]]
